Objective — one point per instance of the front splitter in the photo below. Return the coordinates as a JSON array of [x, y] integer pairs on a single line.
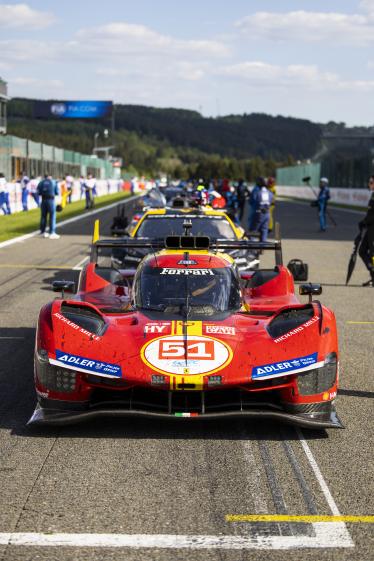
[[56, 417]]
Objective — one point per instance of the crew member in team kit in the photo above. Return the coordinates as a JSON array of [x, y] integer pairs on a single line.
[[4, 195], [366, 250], [33, 189], [262, 201], [252, 202], [25, 191], [90, 189], [322, 200], [47, 190]]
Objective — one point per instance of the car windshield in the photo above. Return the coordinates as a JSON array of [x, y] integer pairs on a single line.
[[162, 226], [189, 292]]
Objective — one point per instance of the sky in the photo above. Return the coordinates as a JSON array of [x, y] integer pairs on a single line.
[[311, 59]]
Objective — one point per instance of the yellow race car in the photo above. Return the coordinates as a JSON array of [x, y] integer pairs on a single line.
[[156, 224]]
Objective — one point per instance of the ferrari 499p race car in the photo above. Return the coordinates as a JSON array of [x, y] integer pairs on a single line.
[[186, 337]]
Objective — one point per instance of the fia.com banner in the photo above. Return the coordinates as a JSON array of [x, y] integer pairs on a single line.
[[73, 109]]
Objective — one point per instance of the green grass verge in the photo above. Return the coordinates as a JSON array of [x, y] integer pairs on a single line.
[[21, 223]]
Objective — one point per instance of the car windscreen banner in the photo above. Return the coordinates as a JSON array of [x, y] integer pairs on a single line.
[[73, 109]]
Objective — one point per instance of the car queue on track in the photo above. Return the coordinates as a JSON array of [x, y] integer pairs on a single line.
[[189, 316]]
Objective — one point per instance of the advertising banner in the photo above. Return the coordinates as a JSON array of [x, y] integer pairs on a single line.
[[73, 109]]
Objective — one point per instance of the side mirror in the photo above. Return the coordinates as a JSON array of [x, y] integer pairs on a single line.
[[245, 277], [63, 286], [310, 290]]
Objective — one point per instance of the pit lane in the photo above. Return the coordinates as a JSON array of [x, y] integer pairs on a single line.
[[155, 490]]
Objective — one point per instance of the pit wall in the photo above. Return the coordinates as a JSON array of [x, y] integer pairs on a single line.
[[351, 197]]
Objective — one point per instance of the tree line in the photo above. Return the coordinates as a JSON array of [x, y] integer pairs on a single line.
[[179, 142]]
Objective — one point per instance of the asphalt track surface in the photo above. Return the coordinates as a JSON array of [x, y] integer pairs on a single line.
[[150, 490]]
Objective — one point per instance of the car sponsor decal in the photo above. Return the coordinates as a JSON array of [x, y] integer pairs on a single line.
[[291, 366], [329, 396], [220, 329], [187, 355], [160, 328], [84, 364], [201, 272], [187, 262], [296, 330], [76, 327]]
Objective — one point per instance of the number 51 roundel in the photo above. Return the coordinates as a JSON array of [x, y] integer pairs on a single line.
[[175, 354]]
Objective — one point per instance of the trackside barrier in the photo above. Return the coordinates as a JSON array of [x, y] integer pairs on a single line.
[[340, 195], [103, 187]]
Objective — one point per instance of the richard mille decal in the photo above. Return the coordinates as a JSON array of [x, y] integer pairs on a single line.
[[76, 327], [296, 330]]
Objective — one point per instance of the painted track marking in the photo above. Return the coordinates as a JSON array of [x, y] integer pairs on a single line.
[[39, 267], [317, 472], [327, 535], [79, 266], [307, 519], [360, 322]]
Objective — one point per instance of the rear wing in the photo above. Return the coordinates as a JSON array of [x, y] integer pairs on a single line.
[[188, 243]]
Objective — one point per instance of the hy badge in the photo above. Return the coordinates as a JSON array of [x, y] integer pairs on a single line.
[[87, 364], [286, 367]]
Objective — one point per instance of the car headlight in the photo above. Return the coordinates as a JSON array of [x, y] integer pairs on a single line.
[[320, 379], [54, 378]]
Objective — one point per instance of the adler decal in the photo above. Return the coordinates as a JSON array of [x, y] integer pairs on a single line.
[[84, 364], [286, 367], [186, 355]]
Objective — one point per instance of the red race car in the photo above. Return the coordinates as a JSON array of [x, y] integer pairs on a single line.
[[186, 336]]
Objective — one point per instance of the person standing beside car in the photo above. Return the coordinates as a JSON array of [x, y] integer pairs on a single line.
[[366, 250], [33, 188], [271, 186], [262, 201], [242, 193], [47, 191], [3, 194], [252, 202], [90, 186], [24, 181], [69, 180], [322, 200]]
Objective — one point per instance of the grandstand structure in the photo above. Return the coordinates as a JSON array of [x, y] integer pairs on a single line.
[[19, 155]]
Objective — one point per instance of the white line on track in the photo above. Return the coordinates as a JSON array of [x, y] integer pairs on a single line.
[[327, 535], [258, 496], [317, 472], [78, 266]]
